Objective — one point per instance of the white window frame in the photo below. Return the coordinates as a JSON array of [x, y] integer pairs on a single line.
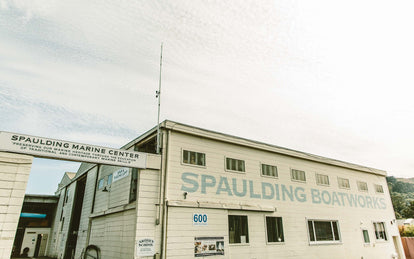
[[359, 186], [265, 175], [344, 187], [381, 187], [196, 152], [323, 184], [331, 242], [234, 171], [283, 231], [297, 180], [374, 223]]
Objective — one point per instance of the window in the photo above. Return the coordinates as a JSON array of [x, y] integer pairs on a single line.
[[269, 170], [133, 187], [238, 229], [380, 231], [274, 229], [110, 179], [366, 236], [379, 189], [101, 183], [298, 175], [322, 179], [194, 158], [323, 231], [343, 183], [234, 164], [362, 186]]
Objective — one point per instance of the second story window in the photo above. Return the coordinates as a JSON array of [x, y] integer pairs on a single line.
[[362, 186], [194, 158], [110, 179], [298, 175], [322, 179], [235, 164], [269, 170], [378, 188], [343, 183]]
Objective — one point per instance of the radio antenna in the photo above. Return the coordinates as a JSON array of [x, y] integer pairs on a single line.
[[158, 95]]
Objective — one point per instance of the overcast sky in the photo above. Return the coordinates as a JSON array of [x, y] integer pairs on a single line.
[[332, 78]]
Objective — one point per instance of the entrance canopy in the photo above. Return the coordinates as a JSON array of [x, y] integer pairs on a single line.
[[71, 151]]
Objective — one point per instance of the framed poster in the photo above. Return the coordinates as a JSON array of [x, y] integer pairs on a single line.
[[207, 246]]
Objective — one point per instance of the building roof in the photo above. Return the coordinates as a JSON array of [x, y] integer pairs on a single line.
[[187, 129]]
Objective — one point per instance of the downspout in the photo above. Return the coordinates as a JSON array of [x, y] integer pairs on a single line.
[[163, 202]]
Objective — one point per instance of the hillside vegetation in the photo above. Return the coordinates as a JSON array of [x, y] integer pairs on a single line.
[[402, 196]]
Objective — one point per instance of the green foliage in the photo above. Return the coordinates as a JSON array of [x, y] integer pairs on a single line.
[[406, 231], [402, 197]]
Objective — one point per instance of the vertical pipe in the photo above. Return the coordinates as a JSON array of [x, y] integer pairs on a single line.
[[159, 105]]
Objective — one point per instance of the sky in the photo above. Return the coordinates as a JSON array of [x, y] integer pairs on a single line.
[[331, 78]]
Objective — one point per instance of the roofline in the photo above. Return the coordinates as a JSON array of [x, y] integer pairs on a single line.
[[210, 134], [176, 126]]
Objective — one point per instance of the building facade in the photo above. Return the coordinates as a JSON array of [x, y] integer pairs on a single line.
[[212, 194]]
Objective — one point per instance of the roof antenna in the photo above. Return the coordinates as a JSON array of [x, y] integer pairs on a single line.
[[158, 95]]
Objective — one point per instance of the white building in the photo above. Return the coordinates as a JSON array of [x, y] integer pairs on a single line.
[[212, 194]]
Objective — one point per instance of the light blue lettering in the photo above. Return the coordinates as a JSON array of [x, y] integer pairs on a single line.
[[376, 204], [382, 201], [327, 200], [342, 197], [272, 191], [186, 179], [252, 194], [289, 192], [361, 204], [239, 194], [277, 192], [335, 199], [226, 188], [352, 200], [205, 183], [316, 198], [301, 197], [369, 201]]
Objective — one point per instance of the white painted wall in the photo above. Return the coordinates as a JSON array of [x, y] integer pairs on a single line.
[[14, 174], [351, 219]]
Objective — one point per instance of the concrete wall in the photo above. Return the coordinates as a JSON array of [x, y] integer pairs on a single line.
[[14, 174], [295, 211]]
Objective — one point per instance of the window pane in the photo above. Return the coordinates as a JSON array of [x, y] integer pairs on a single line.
[[335, 230], [343, 183], [298, 175], [323, 231], [109, 179], [200, 159], [274, 229], [100, 183], [366, 236], [238, 229], [311, 233], [186, 155]]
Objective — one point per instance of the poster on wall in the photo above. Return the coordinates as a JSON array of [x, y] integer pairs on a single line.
[[207, 246], [146, 247]]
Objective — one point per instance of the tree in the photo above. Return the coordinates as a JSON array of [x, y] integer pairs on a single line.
[[408, 211]]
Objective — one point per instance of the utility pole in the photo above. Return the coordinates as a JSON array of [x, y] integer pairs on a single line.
[[158, 95]]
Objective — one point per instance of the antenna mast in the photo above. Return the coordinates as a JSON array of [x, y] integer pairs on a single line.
[[158, 95]]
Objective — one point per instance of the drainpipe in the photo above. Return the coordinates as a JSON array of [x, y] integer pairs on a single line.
[[163, 202]]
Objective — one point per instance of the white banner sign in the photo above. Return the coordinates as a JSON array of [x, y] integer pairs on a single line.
[[146, 247], [121, 173], [65, 150]]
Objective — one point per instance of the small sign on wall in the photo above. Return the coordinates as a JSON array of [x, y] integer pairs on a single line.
[[121, 173], [146, 247], [200, 219], [208, 246]]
